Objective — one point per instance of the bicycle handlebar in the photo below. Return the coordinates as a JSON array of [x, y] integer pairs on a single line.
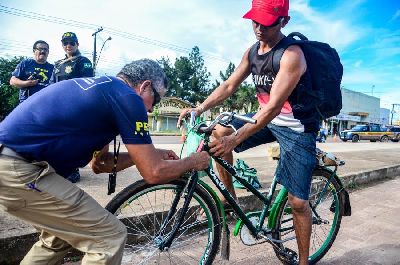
[[225, 118], [245, 118]]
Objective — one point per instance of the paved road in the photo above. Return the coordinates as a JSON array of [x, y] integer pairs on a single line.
[[359, 157]]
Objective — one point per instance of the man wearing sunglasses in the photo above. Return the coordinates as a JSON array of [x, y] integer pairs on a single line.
[[65, 127], [285, 114], [31, 75], [72, 66]]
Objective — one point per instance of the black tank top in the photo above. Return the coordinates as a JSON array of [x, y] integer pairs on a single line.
[[264, 69]]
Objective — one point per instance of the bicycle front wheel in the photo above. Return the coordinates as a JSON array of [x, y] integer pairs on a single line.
[[145, 210], [326, 217]]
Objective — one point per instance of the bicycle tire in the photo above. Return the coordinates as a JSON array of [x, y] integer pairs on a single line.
[[329, 209], [143, 207]]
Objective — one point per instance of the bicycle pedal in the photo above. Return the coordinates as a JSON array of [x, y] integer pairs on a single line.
[[288, 256]]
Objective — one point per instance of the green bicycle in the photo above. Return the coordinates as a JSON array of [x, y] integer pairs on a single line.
[[182, 222]]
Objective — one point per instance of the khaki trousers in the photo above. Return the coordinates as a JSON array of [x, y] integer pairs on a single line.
[[64, 214]]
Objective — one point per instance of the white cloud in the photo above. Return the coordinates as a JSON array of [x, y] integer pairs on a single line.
[[358, 63], [331, 27], [396, 15]]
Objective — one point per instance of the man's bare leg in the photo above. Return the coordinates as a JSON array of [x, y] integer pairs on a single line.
[[223, 174], [302, 224]]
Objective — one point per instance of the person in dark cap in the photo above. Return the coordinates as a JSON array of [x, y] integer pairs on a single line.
[[31, 75], [72, 66], [68, 125], [283, 115]]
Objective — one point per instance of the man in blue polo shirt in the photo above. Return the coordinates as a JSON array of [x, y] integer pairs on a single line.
[[31, 75], [60, 129]]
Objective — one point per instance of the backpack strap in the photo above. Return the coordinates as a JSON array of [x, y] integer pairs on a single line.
[[279, 49], [253, 50]]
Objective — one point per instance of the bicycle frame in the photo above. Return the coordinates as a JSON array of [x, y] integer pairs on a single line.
[[266, 211], [270, 207]]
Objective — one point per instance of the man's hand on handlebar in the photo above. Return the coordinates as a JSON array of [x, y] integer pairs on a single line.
[[186, 112], [222, 146]]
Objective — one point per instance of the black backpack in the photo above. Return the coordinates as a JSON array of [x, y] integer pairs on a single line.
[[325, 69]]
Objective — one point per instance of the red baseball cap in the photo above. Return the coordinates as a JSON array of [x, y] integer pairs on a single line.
[[266, 12]]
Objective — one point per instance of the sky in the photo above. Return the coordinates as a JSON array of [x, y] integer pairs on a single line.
[[366, 33]]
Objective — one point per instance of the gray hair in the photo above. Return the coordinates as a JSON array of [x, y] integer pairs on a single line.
[[145, 69]]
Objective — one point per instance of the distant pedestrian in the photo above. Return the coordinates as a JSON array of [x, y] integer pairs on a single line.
[[31, 75], [74, 65]]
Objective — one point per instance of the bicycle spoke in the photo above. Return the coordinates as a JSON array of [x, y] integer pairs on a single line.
[[137, 228], [144, 211], [152, 208], [150, 224]]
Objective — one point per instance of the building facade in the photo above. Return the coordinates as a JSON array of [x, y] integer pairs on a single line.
[[358, 108], [165, 115]]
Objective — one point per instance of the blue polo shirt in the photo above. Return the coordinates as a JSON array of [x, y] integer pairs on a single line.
[[28, 67], [66, 122]]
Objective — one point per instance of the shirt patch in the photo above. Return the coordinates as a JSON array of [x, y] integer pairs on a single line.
[[142, 128], [68, 69], [87, 65], [89, 82]]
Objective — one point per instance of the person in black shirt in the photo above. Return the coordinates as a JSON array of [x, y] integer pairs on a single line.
[[74, 65]]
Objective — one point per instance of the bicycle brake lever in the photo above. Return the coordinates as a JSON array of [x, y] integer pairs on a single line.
[[231, 126]]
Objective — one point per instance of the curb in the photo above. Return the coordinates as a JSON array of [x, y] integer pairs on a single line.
[[13, 249]]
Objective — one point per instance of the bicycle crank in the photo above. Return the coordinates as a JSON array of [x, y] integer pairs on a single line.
[[245, 235]]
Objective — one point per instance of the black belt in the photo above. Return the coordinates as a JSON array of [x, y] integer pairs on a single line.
[[4, 150]]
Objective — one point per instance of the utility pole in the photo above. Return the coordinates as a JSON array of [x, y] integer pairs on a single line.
[[94, 48], [393, 105], [102, 46]]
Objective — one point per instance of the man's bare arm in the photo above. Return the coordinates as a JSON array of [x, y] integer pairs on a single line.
[[154, 168], [292, 67], [224, 90], [18, 83]]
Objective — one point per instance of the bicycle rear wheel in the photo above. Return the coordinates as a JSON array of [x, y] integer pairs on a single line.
[[326, 217], [144, 209]]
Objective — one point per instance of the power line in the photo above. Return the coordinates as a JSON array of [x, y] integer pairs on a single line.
[[115, 32]]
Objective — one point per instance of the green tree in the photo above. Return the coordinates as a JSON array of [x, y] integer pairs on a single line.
[[188, 77], [174, 90], [199, 83], [8, 94], [245, 96]]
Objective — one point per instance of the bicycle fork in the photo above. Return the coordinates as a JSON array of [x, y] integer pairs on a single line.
[[187, 194]]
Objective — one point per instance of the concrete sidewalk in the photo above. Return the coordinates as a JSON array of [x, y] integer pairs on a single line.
[[368, 163]]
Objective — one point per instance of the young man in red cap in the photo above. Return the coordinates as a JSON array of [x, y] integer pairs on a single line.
[[285, 116]]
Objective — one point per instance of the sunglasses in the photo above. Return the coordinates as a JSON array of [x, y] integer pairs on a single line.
[[72, 43], [276, 23]]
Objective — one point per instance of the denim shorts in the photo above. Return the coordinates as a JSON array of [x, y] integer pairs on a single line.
[[297, 155]]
